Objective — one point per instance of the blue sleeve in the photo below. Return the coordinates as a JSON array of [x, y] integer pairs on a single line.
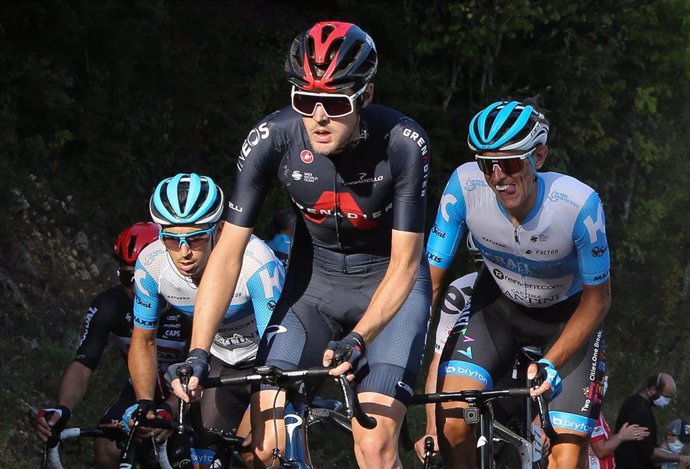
[[146, 298], [449, 225], [589, 235], [264, 287]]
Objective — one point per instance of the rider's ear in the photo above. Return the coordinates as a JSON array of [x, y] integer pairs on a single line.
[[540, 154], [368, 95]]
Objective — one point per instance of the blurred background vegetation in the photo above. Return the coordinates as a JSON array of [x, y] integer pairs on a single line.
[[100, 100]]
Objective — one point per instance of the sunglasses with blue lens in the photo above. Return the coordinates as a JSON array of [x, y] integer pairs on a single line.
[[195, 240]]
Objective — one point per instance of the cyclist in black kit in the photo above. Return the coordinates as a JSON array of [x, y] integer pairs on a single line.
[[109, 313], [357, 282]]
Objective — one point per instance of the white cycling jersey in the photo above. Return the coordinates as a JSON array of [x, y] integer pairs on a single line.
[[560, 245], [159, 283]]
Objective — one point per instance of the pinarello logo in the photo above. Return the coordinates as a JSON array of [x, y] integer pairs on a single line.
[[306, 156]]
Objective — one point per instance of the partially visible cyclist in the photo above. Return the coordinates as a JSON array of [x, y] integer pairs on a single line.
[[454, 312], [188, 207], [283, 229], [109, 313], [545, 284], [357, 281]]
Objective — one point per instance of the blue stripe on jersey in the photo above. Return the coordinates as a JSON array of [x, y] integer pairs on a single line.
[[549, 269], [146, 298], [449, 225], [589, 235], [264, 287]]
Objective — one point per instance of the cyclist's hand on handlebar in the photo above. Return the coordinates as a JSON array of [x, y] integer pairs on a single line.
[[547, 378], [164, 412], [143, 409], [346, 354], [420, 446], [48, 421], [197, 368]]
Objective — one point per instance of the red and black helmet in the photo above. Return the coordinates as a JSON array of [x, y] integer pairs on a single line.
[[331, 56], [133, 239]]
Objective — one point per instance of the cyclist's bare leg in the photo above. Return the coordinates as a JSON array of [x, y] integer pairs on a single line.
[[565, 453], [263, 428], [106, 454], [378, 448], [455, 438]]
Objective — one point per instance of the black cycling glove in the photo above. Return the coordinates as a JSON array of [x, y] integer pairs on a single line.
[[198, 360], [351, 349], [63, 411]]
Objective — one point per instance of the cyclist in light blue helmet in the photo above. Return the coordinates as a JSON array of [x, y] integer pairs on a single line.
[[189, 208], [542, 236]]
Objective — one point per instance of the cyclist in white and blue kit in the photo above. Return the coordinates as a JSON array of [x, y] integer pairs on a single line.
[[189, 207], [546, 281]]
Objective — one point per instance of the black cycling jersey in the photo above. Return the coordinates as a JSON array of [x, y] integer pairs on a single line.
[[349, 201], [111, 312]]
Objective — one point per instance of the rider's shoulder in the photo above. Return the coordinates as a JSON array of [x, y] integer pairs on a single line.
[[258, 253], [151, 253], [109, 300], [562, 188], [384, 120]]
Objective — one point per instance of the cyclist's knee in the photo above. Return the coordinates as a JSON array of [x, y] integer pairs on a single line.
[[376, 451], [452, 429], [566, 454]]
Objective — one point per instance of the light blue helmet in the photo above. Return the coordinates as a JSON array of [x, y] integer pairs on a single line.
[[505, 126], [186, 199]]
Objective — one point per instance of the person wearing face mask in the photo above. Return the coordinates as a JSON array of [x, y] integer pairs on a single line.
[[604, 442], [672, 444], [657, 391]]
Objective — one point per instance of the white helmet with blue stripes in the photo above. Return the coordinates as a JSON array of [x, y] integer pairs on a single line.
[[186, 199], [506, 126]]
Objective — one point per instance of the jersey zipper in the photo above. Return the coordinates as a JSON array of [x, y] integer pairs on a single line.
[[516, 251]]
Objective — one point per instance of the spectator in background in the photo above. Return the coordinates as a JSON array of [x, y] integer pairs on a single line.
[[637, 409], [283, 228], [603, 442], [672, 444]]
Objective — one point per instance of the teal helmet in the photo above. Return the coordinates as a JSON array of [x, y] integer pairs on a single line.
[[186, 199], [506, 126]]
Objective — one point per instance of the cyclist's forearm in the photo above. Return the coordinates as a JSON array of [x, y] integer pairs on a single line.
[[218, 284], [429, 388], [74, 384], [594, 304], [437, 275], [143, 363]]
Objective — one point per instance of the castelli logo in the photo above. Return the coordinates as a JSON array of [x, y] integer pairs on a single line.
[[306, 156]]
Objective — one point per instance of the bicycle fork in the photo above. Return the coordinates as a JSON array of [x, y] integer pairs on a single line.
[[295, 417]]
